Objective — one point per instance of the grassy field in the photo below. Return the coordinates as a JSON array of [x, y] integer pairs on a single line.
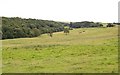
[[92, 51]]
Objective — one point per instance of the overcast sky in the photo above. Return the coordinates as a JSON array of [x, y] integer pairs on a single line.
[[62, 10]]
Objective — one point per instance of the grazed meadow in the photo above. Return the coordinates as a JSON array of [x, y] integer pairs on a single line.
[[92, 51]]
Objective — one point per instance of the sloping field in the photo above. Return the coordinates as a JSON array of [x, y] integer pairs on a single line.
[[93, 51]]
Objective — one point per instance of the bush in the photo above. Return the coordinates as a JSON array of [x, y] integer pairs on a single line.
[[110, 25]]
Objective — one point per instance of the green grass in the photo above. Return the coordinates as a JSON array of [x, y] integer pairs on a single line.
[[0, 57], [93, 51]]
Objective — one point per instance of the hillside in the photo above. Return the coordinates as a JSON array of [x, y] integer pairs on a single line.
[[16, 27], [83, 50]]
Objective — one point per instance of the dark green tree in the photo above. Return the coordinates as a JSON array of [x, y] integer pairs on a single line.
[[110, 25], [66, 30]]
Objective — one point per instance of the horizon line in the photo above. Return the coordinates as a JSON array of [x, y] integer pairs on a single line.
[[56, 20]]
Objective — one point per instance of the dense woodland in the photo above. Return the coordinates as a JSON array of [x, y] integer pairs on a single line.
[[16, 27]]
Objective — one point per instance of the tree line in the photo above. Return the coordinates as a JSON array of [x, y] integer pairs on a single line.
[[16, 27]]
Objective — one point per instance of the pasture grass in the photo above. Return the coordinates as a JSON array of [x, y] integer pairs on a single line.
[[92, 51]]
